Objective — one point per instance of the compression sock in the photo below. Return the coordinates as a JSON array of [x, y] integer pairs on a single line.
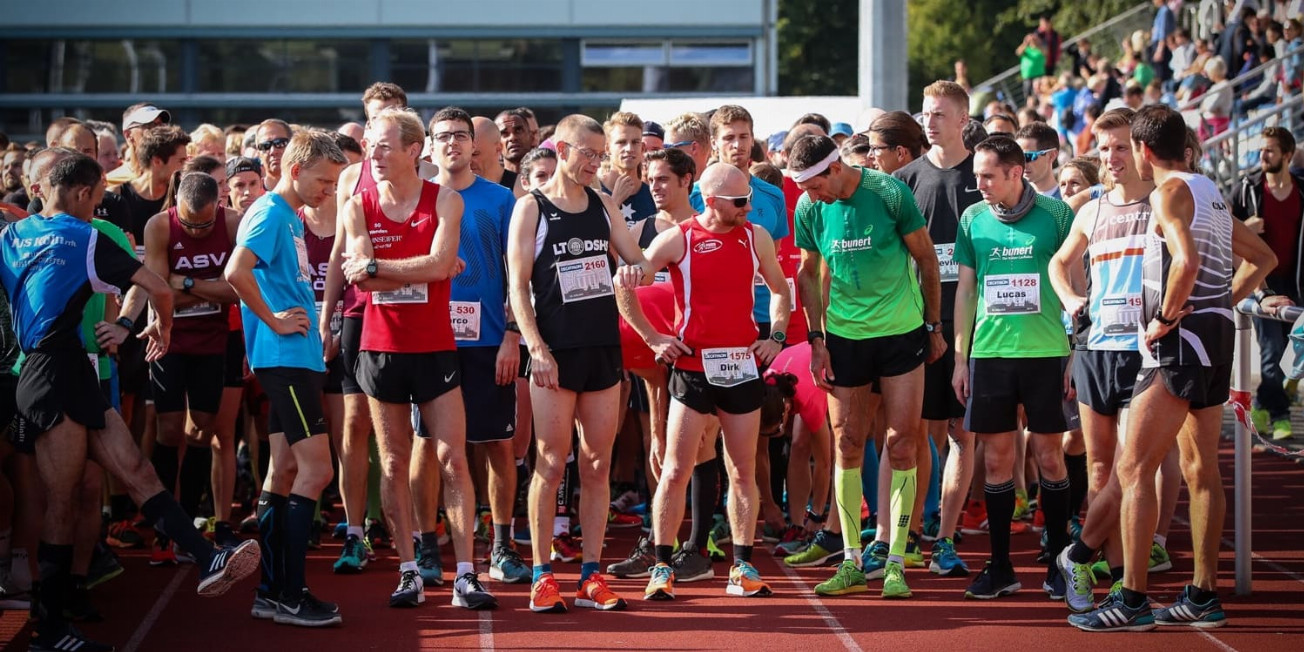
[[902, 502], [1055, 504], [705, 485], [540, 570], [298, 524], [196, 470], [164, 510], [1077, 468], [55, 562], [164, 459], [1000, 513], [846, 485], [271, 538], [502, 536]]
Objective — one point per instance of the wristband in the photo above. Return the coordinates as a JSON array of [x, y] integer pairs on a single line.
[[126, 323], [813, 335]]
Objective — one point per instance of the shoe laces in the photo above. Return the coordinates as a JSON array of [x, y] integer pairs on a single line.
[[508, 556], [661, 574], [351, 546], [545, 587], [312, 602], [407, 581], [747, 570], [470, 583], [596, 587]]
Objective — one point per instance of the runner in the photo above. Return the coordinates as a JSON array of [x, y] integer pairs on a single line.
[[407, 354], [1016, 353], [270, 274], [244, 180], [59, 396], [864, 227], [559, 255], [713, 280], [1185, 375], [624, 181]]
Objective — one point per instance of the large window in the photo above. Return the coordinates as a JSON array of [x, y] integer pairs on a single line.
[[470, 66], [86, 66], [283, 66], [667, 66]]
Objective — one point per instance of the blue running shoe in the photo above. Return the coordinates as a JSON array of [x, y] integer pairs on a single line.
[[341, 531], [353, 558], [873, 560], [1186, 611], [432, 571], [507, 566], [522, 536], [945, 561], [1114, 616]]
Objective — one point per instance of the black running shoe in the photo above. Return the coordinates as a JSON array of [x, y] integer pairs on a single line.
[[410, 592], [306, 612], [79, 608], [995, 581], [65, 639]]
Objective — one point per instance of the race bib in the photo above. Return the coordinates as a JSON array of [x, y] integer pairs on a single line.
[[1120, 314], [585, 278], [409, 293], [729, 367], [95, 362], [465, 317], [337, 317], [950, 270], [305, 269], [197, 310], [140, 252], [1012, 294]]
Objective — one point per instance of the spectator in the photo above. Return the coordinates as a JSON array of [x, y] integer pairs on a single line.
[[1051, 39], [1082, 58], [1216, 104], [207, 140], [1291, 65], [1183, 55], [998, 124], [1237, 35], [1253, 96], [1086, 141], [1154, 93], [975, 132], [1165, 23], [1032, 61], [962, 75], [1209, 20]]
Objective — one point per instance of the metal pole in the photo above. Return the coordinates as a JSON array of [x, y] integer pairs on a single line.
[[882, 55], [1241, 383]]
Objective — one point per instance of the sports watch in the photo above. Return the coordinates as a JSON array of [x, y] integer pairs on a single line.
[[372, 270], [780, 337], [187, 285]]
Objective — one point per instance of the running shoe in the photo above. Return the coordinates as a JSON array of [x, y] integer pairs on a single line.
[[429, 566], [1077, 582], [825, 548], [411, 590], [848, 579], [249, 525], [1075, 529], [1020, 504], [484, 526], [62, 639], [521, 535], [1261, 419], [377, 534], [161, 553], [1186, 611], [341, 531], [745, 581], [661, 583], [228, 566], [1100, 571], [932, 527], [353, 558], [182, 556], [713, 550], [914, 556], [224, 534], [691, 565], [626, 500], [1281, 430], [12, 596], [506, 566], [104, 566], [873, 559], [1113, 615], [545, 596], [122, 535], [469, 593], [974, 519], [641, 559], [945, 561], [79, 608], [894, 582], [565, 548], [793, 539], [265, 605], [994, 582], [1038, 522], [595, 594], [770, 535], [307, 611], [1159, 559], [720, 531], [1054, 584], [620, 520]]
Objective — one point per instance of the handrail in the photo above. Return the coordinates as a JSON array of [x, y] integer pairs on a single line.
[[1263, 116], [1222, 158], [992, 82], [1194, 103]]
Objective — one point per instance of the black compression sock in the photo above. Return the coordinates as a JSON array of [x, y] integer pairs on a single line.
[[1055, 504], [1132, 599], [298, 524], [502, 536], [164, 459], [55, 562], [164, 510], [1000, 513], [705, 479], [430, 543], [271, 538], [1077, 468], [742, 553], [120, 507], [1080, 553]]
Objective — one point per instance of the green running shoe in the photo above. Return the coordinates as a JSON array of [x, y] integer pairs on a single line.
[[1100, 571], [914, 555], [714, 550], [823, 549], [894, 582], [849, 579], [1159, 560]]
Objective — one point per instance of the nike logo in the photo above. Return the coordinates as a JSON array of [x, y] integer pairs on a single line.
[[971, 190], [449, 377], [293, 611], [420, 222]]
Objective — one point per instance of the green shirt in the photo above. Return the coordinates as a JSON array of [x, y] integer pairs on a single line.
[[873, 290], [1032, 63], [1018, 313]]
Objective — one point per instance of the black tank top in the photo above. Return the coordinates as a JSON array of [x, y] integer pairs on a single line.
[[574, 298], [648, 233]]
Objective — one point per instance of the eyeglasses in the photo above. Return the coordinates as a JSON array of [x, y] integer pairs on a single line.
[[738, 200], [877, 149], [445, 137], [1033, 156], [277, 143], [682, 143], [589, 154]]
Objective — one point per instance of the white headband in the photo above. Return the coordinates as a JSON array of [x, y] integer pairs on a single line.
[[814, 170]]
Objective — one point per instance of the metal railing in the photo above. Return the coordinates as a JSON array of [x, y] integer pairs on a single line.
[[1236, 82], [1241, 381], [1008, 85], [1229, 154]]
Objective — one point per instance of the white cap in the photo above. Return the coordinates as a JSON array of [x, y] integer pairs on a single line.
[[145, 115]]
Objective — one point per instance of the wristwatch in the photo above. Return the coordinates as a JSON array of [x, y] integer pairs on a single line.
[[1263, 294], [1159, 317], [372, 270], [126, 323], [933, 326], [187, 285], [811, 336], [511, 326], [780, 337]]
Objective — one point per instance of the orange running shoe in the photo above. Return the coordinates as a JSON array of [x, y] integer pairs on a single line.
[[595, 594], [974, 518], [618, 520], [1038, 520], [565, 548], [661, 583], [545, 596], [745, 581]]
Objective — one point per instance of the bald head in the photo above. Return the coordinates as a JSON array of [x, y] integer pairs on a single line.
[[801, 130], [352, 130], [723, 179], [80, 138], [485, 160], [42, 164]]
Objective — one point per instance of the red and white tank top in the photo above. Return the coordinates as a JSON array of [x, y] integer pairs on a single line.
[[355, 302], [319, 260], [413, 318], [201, 328], [714, 291]]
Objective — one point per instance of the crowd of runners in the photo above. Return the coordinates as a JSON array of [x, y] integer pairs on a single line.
[[839, 348]]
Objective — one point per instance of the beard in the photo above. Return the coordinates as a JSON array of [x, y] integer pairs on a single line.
[[1274, 168]]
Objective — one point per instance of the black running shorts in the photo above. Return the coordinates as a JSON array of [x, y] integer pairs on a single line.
[[350, 343], [407, 377], [589, 369], [294, 401], [55, 384], [1105, 379], [691, 389], [857, 363], [940, 403], [997, 386], [1203, 387], [181, 380]]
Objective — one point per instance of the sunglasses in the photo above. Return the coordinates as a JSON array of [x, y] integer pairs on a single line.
[[1033, 156], [682, 143], [738, 200], [275, 143]]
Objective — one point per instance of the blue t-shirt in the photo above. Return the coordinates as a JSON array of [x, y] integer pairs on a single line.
[[769, 212], [50, 268], [483, 245], [638, 207], [274, 233]]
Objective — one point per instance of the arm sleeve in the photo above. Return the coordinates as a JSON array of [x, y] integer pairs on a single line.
[[109, 268]]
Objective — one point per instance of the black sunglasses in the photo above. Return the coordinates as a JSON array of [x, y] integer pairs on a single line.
[[277, 143]]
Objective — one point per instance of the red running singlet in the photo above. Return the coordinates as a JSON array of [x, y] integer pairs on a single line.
[[714, 290], [201, 328]]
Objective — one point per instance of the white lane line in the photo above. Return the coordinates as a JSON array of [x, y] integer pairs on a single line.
[[138, 636], [806, 592], [1230, 545], [1217, 643], [486, 630]]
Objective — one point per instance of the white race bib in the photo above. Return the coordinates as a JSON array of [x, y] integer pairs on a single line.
[[197, 310], [585, 278], [1120, 314], [728, 367], [465, 317], [1012, 294], [337, 317], [950, 270], [409, 293], [305, 269]]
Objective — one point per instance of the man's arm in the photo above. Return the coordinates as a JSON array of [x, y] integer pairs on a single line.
[[240, 274], [810, 287], [1063, 264], [159, 332], [439, 265], [520, 269], [1174, 208], [965, 306], [667, 247], [920, 245]]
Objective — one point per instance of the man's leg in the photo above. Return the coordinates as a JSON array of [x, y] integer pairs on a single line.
[[353, 462], [198, 464], [683, 441], [799, 473], [849, 410], [903, 397], [956, 478], [1271, 394], [597, 413], [312, 458], [224, 453], [740, 433], [392, 423], [554, 417], [60, 459], [998, 461], [273, 503], [425, 479], [1198, 441]]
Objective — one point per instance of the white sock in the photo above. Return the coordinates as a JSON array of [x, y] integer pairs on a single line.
[[852, 553], [1161, 540], [464, 567], [560, 526], [356, 530], [408, 566]]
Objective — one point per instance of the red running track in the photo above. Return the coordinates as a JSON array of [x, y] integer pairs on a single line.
[[157, 609]]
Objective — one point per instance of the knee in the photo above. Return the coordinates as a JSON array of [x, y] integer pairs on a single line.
[[594, 468], [1098, 474], [548, 470], [675, 475], [900, 449], [850, 449], [1051, 461], [1201, 476]]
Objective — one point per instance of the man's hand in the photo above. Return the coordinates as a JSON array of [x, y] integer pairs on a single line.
[[1255, 224], [765, 350], [1156, 329], [629, 276], [1070, 392], [1076, 306], [109, 335], [292, 322], [936, 347], [624, 188], [820, 367], [1275, 303], [355, 268], [177, 282], [508, 362], [158, 341], [960, 380], [543, 369], [667, 348], [330, 345]]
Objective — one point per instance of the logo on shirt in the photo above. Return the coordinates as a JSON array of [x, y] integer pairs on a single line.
[[201, 261], [1012, 253], [707, 246], [178, 246], [577, 246], [847, 245]]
